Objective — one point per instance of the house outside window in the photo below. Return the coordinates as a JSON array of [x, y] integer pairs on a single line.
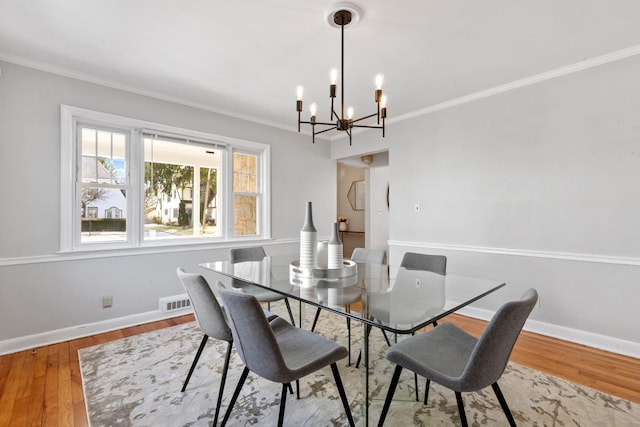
[[129, 183]]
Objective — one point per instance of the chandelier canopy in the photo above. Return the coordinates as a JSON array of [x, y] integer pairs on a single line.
[[343, 14]]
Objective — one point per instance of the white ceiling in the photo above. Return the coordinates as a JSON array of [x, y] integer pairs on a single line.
[[245, 58]]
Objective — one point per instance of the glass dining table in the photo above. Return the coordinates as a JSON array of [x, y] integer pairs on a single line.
[[402, 304]]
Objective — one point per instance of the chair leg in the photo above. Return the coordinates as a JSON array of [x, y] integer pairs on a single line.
[[415, 380], [503, 403], [426, 391], [463, 417], [286, 302], [298, 389], [195, 361], [343, 396], [290, 388], [236, 392], [315, 320], [222, 382], [392, 390], [283, 400]]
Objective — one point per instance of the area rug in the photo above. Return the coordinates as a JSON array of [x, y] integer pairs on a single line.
[[136, 381]]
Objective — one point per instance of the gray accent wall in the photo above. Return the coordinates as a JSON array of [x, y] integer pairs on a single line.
[[538, 186], [43, 291]]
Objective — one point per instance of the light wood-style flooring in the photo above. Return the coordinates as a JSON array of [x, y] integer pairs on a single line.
[[42, 387]]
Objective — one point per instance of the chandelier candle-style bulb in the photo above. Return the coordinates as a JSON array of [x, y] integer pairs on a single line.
[[313, 109], [350, 113], [379, 80], [299, 91]]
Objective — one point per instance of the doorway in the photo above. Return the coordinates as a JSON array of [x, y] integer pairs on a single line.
[[363, 183]]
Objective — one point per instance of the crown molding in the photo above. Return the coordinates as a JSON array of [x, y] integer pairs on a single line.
[[537, 78], [89, 78]]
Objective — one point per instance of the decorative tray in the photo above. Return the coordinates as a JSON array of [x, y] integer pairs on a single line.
[[349, 268]]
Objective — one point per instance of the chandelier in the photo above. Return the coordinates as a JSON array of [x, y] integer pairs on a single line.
[[343, 15]]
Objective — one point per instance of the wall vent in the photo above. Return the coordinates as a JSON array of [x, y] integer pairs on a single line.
[[174, 303]]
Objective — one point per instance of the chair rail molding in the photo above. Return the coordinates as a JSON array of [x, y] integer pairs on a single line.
[[566, 256]]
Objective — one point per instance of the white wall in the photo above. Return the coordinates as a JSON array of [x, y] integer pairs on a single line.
[[377, 230], [538, 186], [42, 291]]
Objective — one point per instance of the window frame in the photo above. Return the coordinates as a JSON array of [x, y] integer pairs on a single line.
[[70, 233]]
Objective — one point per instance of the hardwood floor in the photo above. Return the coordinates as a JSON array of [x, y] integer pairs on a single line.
[[42, 387]]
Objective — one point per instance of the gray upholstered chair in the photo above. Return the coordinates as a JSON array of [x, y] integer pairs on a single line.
[[368, 255], [433, 263], [375, 256], [451, 357], [211, 320], [257, 253], [278, 352]]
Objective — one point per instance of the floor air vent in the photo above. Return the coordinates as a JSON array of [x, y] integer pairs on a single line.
[[174, 303]]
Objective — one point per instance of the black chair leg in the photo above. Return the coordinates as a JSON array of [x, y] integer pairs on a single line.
[[426, 391], [415, 383], [283, 400], [290, 388], [298, 389], [503, 403], [315, 320], [463, 417], [195, 361], [286, 302], [236, 392], [392, 390], [222, 382], [343, 396]]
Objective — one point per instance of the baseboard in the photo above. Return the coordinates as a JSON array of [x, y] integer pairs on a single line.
[[59, 335], [602, 342], [589, 339]]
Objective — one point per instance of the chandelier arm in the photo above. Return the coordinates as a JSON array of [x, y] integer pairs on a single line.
[[319, 123], [364, 118], [368, 126], [326, 130]]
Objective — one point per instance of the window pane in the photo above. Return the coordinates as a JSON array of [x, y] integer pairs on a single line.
[[172, 208], [103, 156], [208, 201], [245, 171], [104, 215], [245, 208]]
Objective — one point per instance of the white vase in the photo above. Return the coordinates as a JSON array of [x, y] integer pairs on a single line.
[[334, 256], [308, 241], [343, 226]]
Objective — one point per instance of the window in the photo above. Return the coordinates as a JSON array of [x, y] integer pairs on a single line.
[[128, 183]]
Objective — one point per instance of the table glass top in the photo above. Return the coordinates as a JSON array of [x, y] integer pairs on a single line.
[[404, 304]]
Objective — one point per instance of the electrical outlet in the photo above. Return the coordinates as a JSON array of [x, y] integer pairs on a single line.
[[416, 208], [107, 301], [418, 283]]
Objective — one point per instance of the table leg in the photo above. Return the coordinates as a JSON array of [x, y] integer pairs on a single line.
[[366, 370]]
